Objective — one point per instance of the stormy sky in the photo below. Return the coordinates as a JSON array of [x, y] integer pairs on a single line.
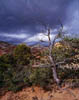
[[22, 20]]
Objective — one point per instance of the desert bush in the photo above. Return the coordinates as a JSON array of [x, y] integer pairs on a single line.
[[74, 43], [68, 74], [41, 76], [8, 59], [5, 66], [22, 54], [19, 78], [15, 88], [11, 74], [66, 49], [61, 53]]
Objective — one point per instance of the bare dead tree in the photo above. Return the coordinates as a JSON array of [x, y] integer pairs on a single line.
[[51, 57], [50, 47]]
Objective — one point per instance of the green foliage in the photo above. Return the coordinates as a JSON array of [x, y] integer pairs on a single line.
[[15, 88], [74, 42], [67, 49], [16, 72], [68, 74], [12, 70], [22, 54], [60, 53], [6, 63], [8, 59], [41, 76]]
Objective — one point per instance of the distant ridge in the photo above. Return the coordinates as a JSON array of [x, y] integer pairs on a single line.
[[6, 48]]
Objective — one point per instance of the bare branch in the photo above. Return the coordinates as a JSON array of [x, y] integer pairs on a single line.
[[45, 34], [42, 40], [61, 23]]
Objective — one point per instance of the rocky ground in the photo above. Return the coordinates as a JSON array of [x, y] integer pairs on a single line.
[[39, 94]]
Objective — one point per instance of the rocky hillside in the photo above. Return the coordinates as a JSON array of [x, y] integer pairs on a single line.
[[28, 82], [6, 48]]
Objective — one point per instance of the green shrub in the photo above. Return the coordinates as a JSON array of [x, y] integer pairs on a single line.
[[15, 88], [41, 76], [68, 74], [60, 53], [22, 54], [74, 42], [66, 50], [7, 68], [5, 65], [8, 59]]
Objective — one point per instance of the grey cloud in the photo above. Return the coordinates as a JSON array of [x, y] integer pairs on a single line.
[[25, 14], [18, 15]]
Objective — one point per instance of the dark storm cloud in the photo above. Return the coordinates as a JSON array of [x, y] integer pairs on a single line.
[[17, 15]]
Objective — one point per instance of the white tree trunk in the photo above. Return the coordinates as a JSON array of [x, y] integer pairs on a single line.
[[54, 70], [51, 58], [55, 75]]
